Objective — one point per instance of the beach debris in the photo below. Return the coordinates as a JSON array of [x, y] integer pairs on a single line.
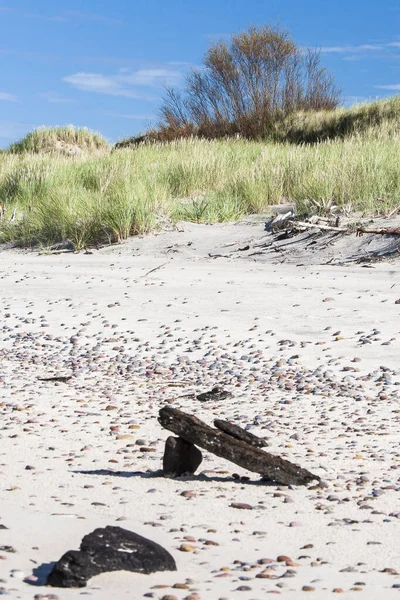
[[56, 378], [240, 434], [281, 219], [380, 231], [180, 457], [215, 394], [238, 451], [324, 224], [109, 549]]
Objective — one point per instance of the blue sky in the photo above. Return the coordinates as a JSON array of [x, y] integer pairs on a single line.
[[103, 64]]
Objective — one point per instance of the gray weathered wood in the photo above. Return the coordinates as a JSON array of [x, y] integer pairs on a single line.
[[240, 434], [239, 452]]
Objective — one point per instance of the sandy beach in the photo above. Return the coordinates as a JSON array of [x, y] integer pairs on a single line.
[[310, 354]]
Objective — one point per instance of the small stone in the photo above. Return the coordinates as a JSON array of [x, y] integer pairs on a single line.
[[187, 548], [241, 505], [308, 588], [283, 558], [188, 494]]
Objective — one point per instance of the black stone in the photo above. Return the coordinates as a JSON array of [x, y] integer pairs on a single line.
[[109, 549], [180, 457]]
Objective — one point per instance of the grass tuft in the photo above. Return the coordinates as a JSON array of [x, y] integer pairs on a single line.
[[67, 140]]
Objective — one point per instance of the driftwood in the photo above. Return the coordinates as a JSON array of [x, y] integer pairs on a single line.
[[237, 451], [62, 378], [155, 269], [381, 231], [304, 226], [240, 434]]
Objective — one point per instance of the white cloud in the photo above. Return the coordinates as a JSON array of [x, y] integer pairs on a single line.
[[348, 48], [56, 98], [100, 84], [394, 86], [8, 97], [124, 82], [357, 52], [152, 77]]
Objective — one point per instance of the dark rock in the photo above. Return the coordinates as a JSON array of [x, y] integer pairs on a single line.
[[7, 549], [180, 457], [109, 549], [215, 394]]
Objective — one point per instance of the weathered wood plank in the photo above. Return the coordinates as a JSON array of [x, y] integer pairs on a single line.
[[239, 452], [240, 434]]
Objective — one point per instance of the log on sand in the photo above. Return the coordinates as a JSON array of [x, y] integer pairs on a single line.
[[238, 451]]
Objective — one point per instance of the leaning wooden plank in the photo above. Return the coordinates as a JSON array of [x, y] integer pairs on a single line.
[[269, 466], [240, 434]]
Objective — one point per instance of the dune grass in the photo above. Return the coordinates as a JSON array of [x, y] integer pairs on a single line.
[[108, 197], [312, 127], [51, 139]]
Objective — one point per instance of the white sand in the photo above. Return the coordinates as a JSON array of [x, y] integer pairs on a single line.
[[63, 430]]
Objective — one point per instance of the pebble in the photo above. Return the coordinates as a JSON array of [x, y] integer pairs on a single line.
[[187, 548]]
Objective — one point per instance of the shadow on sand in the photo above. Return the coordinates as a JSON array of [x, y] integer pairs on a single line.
[[160, 474]]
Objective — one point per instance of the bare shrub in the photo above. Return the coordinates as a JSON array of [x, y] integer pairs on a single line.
[[246, 86]]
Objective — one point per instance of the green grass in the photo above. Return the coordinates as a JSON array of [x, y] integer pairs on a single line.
[[53, 139], [312, 127], [111, 196]]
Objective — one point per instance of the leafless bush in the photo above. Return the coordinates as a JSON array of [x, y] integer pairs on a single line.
[[246, 87]]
